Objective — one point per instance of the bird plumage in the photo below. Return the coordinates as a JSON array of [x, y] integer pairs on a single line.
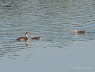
[[23, 38], [79, 31]]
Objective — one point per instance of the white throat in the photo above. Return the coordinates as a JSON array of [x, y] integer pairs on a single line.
[[27, 36]]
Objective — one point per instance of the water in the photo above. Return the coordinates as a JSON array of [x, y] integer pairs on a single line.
[[54, 20]]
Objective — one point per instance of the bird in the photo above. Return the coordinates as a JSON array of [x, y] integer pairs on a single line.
[[35, 38], [79, 31], [23, 38]]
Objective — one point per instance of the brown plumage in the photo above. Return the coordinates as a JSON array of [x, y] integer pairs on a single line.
[[36, 38], [79, 32], [23, 38]]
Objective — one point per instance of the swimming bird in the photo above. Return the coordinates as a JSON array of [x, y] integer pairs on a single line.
[[23, 38], [35, 38], [79, 31]]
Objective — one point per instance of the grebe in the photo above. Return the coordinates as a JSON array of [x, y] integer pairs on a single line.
[[23, 38], [35, 38], [79, 31]]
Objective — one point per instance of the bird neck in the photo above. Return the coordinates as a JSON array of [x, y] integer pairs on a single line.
[[27, 36]]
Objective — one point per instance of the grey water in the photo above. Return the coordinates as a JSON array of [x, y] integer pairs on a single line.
[[53, 20]]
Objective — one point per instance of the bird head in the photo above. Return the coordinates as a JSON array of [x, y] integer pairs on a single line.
[[27, 33]]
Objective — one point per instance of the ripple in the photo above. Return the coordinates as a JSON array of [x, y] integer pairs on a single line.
[[53, 21]]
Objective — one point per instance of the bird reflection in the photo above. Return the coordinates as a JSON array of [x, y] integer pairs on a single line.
[[26, 39], [27, 43]]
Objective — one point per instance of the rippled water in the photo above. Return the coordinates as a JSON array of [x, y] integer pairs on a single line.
[[54, 20]]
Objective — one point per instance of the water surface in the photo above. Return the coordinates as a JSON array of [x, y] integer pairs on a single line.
[[54, 20]]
